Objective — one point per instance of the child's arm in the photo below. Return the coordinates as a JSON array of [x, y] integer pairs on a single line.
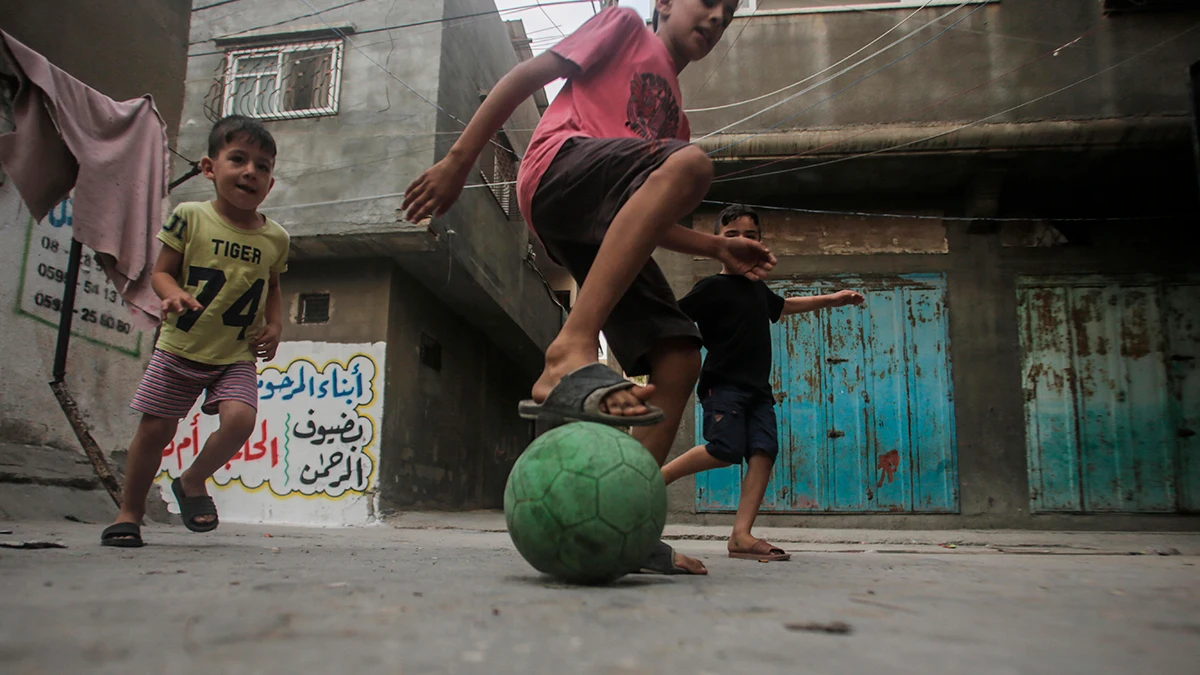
[[164, 281], [266, 342], [435, 190], [745, 256], [812, 303]]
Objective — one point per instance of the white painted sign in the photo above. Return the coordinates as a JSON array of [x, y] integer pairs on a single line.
[[100, 314], [313, 458]]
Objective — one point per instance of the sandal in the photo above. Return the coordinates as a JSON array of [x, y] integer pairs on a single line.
[[578, 395], [660, 561], [762, 552], [192, 507], [123, 535]]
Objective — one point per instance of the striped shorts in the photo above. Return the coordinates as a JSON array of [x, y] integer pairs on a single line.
[[172, 384]]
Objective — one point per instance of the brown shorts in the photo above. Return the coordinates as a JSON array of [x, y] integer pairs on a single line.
[[581, 192]]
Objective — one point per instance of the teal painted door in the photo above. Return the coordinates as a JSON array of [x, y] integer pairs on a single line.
[[865, 405], [1112, 393]]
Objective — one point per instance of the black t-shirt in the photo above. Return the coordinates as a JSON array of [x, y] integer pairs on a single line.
[[735, 316]]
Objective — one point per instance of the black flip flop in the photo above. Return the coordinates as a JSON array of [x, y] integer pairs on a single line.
[[578, 396], [122, 535], [660, 561], [192, 507]]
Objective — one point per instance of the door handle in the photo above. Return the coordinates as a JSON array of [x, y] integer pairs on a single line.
[[835, 360]]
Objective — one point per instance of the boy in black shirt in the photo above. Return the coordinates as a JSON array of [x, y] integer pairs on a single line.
[[734, 315]]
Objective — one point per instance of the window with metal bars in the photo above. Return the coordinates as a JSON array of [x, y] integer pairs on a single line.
[[284, 81], [499, 166], [313, 308]]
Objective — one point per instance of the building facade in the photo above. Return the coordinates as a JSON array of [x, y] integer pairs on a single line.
[[452, 315], [1026, 354]]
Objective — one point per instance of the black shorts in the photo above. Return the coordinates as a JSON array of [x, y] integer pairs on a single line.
[[739, 422], [577, 198]]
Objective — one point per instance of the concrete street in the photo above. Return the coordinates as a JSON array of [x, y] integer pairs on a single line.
[[424, 595]]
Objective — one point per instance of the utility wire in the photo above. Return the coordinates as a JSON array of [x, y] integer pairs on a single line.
[[1038, 99]]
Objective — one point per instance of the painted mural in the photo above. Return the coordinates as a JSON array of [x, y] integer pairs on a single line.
[[313, 457]]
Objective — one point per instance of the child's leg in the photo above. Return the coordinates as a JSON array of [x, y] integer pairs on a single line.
[[754, 488], [725, 434], [670, 192], [762, 440], [142, 464], [674, 367], [691, 462], [237, 423]]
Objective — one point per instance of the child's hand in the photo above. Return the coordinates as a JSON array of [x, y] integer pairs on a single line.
[[746, 257], [435, 190], [843, 298], [265, 342], [180, 301]]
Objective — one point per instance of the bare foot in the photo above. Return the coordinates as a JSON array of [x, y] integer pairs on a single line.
[[692, 565], [562, 358], [193, 489]]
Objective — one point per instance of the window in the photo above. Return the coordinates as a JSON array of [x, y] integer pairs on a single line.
[[499, 167], [431, 353], [818, 6], [313, 308], [283, 82]]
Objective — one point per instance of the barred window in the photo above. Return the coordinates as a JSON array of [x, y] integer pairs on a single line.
[[284, 81], [499, 165]]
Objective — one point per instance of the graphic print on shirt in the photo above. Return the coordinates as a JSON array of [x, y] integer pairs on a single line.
[[652, 111]]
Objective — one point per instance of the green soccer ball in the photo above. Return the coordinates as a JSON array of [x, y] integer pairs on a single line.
[[585, 503]]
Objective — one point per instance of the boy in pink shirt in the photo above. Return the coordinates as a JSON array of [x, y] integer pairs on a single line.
[[606, 178]]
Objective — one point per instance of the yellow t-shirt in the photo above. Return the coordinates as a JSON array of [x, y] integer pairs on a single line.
[[227, 269]]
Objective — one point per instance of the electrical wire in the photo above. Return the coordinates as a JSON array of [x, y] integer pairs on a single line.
[[399, 26], [976, 122], [406, 85], [1053, 52], [903, 216], [852, 84], [810, 77], [828, 79]]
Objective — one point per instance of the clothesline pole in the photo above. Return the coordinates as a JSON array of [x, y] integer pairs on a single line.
[[67, 315]]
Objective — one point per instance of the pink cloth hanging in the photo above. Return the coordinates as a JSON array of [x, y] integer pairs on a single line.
[[114, 154]]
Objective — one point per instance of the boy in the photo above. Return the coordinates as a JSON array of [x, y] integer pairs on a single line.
[[608, 174], [734, 314], [218, 277]]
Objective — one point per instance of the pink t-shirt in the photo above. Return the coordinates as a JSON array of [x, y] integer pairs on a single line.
[[626, 88]]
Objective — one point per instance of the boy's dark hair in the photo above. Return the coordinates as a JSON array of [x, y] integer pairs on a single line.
[[732, 213], [228, 128], [654, 19]]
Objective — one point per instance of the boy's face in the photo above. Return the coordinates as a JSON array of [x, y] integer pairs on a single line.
[[693, 27], [241, 172], [741, 227]]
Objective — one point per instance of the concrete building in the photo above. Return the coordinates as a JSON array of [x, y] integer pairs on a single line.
[[123, 49], [1027, 353], [361, 97]]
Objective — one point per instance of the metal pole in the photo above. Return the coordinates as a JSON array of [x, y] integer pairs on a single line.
[[67, 313], [1194, 87]]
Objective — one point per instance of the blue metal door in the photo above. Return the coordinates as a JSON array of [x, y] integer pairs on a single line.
[[1112, 395], [865, 405]]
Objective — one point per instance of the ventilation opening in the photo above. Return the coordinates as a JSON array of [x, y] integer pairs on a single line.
[[314, 308], [431, 353]]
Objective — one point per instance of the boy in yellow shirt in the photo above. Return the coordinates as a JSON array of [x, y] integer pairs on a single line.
[[218, 277]]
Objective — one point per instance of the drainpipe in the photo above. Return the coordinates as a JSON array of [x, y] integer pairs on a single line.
[[950, 139]]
